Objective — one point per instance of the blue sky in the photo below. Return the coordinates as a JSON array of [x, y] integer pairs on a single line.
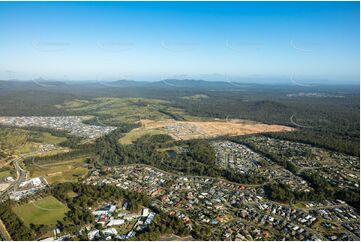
[[246, 41]]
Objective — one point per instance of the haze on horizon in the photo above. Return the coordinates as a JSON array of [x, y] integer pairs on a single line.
[[238, 41]]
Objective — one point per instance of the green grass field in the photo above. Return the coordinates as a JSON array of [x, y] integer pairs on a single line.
[[46, 138], [4, 174], [136, 134], [71, 194], [46, 211], [121, 110], [62, 171], [12, 138], [19, 141], [299, 205]]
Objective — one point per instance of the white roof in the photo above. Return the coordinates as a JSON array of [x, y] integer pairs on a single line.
[[115, 222], [110, 231], [92, 234]]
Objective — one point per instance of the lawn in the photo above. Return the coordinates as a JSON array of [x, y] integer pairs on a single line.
[[46, 211], [136, 134], [57, 172]]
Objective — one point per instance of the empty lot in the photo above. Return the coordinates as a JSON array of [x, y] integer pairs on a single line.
[[186, 130]]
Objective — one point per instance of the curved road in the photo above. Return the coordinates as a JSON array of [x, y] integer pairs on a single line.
[[21, 174]]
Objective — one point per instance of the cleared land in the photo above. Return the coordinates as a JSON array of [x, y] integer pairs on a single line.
[[158, 117], [3, 186], [18, 141], [46, 211], [45, 137], [62, 171], [117, 111], [4, 174], [186, 130], [71, 194], [136, 134], [112, 111], [11, 139], [195, 97]]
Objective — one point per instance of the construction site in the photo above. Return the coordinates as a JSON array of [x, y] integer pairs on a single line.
[[186, 130]]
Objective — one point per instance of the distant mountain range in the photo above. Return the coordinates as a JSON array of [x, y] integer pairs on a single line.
[[167, 83], [179, 83], [43, 84]]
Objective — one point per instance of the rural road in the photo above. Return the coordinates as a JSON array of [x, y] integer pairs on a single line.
[[20, 174]]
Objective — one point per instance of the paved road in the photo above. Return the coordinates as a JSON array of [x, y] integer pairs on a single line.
[[18, 180], [20, 174], [3, 231]]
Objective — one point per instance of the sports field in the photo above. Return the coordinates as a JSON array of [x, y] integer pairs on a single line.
[[46, 211]]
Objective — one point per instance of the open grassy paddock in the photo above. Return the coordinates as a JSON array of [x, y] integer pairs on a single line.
[[121, 110], [71, 194], [61, 171], [11, 139], [45, 137], [135, 134], [4, 174], [46, 211], [19, 141]]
